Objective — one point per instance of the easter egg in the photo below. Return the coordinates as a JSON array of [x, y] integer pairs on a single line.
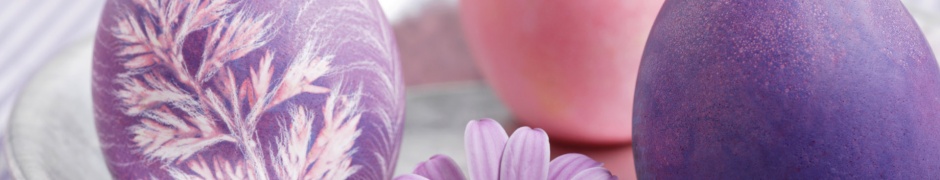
[[742, 89], [568, 67], [227, 89]]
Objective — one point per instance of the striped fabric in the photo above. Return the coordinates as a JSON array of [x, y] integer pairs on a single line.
[[31, 32]]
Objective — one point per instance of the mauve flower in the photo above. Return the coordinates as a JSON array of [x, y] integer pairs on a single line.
[[494, 155]]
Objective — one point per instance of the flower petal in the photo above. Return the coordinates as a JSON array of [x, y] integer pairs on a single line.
[[410, 177], [525, 155], [484, 141], [564, 167], [439, 167], [595, 173]]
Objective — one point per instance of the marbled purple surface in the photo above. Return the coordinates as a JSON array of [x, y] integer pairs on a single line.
[[741, 89], [247, 90]]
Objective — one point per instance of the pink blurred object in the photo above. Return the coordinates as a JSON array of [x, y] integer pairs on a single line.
[[568, 67]]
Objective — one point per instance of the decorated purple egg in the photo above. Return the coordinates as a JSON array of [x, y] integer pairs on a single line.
[[224, 89]]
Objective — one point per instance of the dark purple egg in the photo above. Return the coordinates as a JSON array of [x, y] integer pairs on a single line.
[[745, 89], [226, 89]]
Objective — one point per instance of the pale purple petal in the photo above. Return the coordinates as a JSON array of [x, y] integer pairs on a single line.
[[484, 140], [439, 167], [595, 173], [564, 167], [525, 155], [411, 177]]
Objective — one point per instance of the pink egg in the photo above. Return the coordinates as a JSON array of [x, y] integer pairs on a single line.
[[566, 66], [247, 90]]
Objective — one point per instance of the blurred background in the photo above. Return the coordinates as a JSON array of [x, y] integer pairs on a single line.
[[42, 42]]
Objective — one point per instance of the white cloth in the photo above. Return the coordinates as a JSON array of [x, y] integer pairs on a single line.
[[31, 32]]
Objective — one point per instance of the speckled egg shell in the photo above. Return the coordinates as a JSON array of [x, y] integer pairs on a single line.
[[223, 89], [743, 89]]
